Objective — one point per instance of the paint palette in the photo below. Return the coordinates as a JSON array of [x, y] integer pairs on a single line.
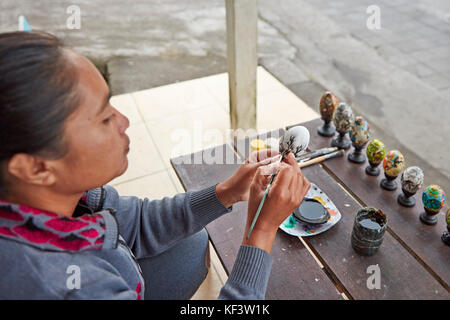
[[294, 227]]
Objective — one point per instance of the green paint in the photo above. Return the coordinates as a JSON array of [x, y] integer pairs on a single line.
[[289, 223]]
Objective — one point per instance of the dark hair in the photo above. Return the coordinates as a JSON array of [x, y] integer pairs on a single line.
[[36, 97]]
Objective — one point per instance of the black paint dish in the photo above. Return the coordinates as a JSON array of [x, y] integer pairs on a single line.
[[311, 211]]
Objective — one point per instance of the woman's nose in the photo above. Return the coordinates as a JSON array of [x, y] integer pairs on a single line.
[[123, 122]]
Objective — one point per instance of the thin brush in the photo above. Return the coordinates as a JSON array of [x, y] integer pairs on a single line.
[[295, 140], [263, 199], [314, 154]]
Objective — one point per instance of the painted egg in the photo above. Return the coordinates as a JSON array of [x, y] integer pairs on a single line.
[[433, 198], [376, 151], [327, 104], [412, 179], [393, 163], [343, 117], [296, 140], [359, 132], [447, 217]]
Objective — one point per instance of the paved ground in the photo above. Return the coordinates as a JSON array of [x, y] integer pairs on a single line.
[[406, 112], [414, 35], [398, 77]]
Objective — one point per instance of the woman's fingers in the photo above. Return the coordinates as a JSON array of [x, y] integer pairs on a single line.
[[299, 185], [291, 160], [289, 181], [271, 168], [266, 153], [269, 160], [261, 155], [280, 185], [303, 185], [260, 177], [263, 175]]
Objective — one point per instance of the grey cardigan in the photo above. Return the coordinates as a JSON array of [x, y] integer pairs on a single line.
[[41, 250]]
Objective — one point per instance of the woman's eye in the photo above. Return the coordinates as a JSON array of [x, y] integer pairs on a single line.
[[107, 120]]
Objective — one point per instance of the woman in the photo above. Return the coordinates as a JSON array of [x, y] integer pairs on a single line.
[[66, 234]]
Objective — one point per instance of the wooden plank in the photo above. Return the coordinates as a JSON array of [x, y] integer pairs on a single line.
[[402, 276], [241, 19], [195, 172], [423, 241], [295, 274]]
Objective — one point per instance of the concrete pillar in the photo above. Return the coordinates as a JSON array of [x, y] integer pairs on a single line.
[[241, 19]]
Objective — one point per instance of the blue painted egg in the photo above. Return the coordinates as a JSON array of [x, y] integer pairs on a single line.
[[433, 198]]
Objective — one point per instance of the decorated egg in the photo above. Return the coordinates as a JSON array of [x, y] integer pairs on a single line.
[[295, 140], [412, 179], [327, 104], [376, 151], [433, 198], [393, 163], [359, 132], [447, 217], [343, 117]]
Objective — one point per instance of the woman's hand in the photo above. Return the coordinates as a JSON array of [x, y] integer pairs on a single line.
[[237, 187], [286, 193]]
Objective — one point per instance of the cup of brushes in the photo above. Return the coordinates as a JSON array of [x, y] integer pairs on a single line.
[[295, 140]]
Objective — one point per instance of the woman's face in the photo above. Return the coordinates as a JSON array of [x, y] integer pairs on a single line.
[[95, 133]]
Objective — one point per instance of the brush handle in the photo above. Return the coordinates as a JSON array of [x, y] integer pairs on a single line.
[[315, 154], [322, 158], [261, 203]]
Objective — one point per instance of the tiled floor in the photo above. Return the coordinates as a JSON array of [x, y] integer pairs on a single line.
[[185, 117]]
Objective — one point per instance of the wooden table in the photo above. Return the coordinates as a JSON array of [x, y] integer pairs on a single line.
[[413, 261]]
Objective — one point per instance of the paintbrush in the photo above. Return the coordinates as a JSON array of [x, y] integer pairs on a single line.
[[314, 154], [295, 140], [335, 154], [266, 192]]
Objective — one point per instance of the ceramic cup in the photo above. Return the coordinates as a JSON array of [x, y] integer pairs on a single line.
[[368, 231]]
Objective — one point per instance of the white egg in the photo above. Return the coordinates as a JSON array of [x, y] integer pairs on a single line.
[[272, 143], [295, 140]]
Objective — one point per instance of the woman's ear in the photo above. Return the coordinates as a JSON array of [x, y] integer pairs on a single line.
[[31, 169]]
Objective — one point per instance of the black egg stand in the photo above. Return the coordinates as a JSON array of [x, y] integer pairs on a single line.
[[388, 183]]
